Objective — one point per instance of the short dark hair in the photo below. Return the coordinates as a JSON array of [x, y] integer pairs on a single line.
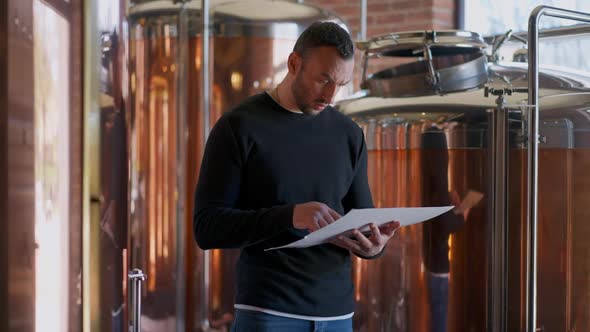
[[325, 34]]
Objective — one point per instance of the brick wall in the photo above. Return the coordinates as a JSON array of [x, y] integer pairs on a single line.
[[385, 16]]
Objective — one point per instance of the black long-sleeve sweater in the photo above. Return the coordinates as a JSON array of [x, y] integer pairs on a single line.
[[261, 160]]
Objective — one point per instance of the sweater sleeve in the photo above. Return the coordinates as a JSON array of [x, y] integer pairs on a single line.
[[359, 194], [217, 223]]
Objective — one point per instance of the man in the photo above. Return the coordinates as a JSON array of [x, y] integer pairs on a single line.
[[280, 165]]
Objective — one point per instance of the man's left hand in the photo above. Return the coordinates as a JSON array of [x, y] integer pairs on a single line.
[[367, 246]]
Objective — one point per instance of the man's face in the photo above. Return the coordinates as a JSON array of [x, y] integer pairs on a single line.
[[318, 76]]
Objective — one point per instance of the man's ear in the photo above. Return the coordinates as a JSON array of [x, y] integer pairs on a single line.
[[294, 63]]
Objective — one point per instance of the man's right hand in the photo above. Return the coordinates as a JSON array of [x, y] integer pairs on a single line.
[[313, 216]]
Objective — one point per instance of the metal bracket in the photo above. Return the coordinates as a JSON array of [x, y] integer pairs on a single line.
[[433, 77], [136, 277]]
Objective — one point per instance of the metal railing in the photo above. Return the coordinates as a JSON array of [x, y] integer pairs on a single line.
[[533, 150], [548, 33]]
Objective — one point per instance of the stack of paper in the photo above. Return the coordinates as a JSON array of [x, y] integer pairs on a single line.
[[362, 217]]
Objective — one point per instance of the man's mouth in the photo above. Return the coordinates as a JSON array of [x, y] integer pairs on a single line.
[[319, 106]]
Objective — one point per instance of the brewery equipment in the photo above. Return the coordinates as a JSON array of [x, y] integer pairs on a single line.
[[445, 127]]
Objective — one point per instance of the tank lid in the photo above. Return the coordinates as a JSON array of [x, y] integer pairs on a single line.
[[159, 7], [439, 75], [270, 11], [414, 43], [264, 18], [252, 18]]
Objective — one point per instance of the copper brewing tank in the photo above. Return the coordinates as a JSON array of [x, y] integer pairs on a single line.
[[249, 45], [436, 133]]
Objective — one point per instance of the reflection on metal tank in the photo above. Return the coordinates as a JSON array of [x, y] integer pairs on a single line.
[[250, 42], [112, 173], [454, 132]]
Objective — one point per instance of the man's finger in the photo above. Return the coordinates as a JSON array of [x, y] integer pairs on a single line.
[[338, 243], [375, 231], [362, 239], [349, 243], [390, 228], [314, 226], [334, 214], [328, 217], [321, 222]]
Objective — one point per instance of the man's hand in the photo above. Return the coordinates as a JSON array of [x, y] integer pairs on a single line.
[[370, 246], [313, 216]]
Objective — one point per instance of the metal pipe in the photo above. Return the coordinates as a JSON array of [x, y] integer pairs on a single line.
[[364, 71], [497, 318], [575, 30], [182, 123], [459, 14], [533, 146], [500, 198], [136, 277], [205, 68], [205, 324], [363, 32]]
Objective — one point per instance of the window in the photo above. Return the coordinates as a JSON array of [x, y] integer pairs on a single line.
[[52, 167], [501, 15]]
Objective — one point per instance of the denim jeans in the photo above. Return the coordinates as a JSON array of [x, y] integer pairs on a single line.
[[254, 321], [438, 294]]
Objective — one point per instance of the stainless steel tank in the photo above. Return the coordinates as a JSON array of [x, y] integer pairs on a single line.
[[447, 128], [167, 127]]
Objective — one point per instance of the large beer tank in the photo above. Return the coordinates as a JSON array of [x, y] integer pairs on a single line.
[[167, 126], [446, 127]]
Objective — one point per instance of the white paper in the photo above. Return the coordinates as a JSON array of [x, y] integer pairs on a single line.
[[362, 217]]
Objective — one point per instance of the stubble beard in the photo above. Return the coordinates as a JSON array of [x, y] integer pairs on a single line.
[[297, 90]]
